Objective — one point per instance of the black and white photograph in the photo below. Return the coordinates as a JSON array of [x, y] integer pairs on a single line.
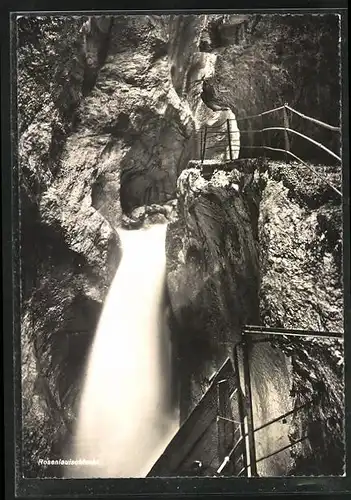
[[180, 187]]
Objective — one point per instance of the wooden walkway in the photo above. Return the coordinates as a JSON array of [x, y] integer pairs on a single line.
[[206, 438], [218, 437]]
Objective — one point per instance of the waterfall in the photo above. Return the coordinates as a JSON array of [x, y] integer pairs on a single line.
[[126, 416]]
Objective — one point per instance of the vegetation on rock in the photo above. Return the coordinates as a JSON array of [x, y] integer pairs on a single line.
[[50, 65]]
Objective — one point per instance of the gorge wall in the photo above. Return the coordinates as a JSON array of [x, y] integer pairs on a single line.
[[109, 145], [213, 274], [252, 246]]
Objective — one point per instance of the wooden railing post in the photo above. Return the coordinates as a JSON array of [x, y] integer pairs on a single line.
[[204, 145], [251, 136], [286, 126], [262, 138], [201, 139], [241, 404], [248, 394], [229, 140]]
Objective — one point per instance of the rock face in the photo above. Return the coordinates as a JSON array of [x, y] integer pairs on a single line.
[[300, 240], [104, 150], [70, 255], [244, 251], [212, 276], [300, 234], [318, 391], [111, 147], [146, 99]]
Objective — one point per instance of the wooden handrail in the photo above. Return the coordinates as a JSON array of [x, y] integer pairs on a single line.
[[260, 114], [314, 120], [286, 129], [304, 137], [286, 106]]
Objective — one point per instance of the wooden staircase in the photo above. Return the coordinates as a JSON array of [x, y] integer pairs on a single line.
[[211, 441]]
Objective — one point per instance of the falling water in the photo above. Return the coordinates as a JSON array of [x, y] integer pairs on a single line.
[[126, 416]]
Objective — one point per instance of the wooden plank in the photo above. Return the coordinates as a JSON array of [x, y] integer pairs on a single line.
[[191, 430], [194, 426], [205, 451]]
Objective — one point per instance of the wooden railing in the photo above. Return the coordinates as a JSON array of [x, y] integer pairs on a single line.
[[224, 130]]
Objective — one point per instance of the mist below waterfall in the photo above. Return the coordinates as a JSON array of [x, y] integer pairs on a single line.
[[127, 416]]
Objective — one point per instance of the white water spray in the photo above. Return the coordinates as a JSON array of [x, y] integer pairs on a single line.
[[126, 416]]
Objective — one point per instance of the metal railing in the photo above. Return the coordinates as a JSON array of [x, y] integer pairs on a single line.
[[246, 405], [226, 409], [224, 131]]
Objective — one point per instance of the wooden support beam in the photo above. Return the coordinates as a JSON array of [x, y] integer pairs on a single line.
[[286, 127], [248, 395], [229, 141], [241, 407], [204, 145], [201, 140]]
